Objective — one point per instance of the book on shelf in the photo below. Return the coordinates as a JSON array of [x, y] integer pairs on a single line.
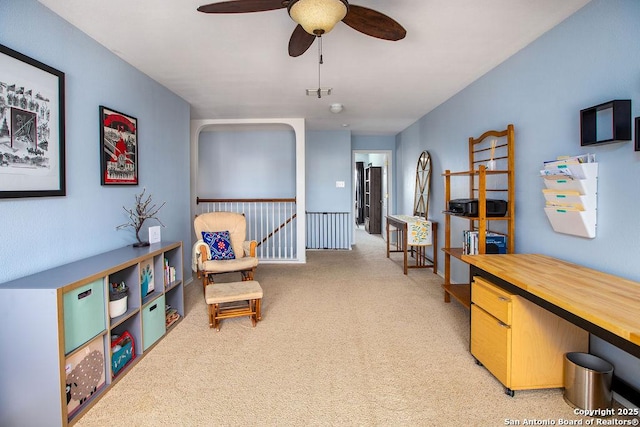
[[169, 273], [171, 315], [494, 243]]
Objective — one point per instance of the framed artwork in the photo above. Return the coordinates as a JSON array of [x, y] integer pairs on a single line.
[[118, 148], [32, 156], [147, 284], [637, 142]]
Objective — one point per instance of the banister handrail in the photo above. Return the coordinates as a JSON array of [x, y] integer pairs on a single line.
[[270, 222], [280, 227], [281, 200]]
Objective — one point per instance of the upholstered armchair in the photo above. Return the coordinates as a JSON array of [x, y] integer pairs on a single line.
[[222, 247]]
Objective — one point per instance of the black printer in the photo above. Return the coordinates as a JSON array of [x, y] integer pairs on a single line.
[[469, 207]]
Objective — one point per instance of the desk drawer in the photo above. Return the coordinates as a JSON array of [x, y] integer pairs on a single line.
[[491, 299], [491, 344]]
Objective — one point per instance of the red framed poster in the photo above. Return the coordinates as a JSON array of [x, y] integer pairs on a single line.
[[118, 148]]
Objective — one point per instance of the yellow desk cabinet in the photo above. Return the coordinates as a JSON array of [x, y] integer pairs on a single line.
[[519, 342]]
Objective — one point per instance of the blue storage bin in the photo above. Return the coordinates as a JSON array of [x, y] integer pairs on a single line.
[[153, 322], [84, 314]]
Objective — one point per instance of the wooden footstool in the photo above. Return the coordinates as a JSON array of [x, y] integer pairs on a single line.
[[233, 299]]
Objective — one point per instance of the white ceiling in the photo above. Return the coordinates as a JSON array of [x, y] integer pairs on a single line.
[[236, 66]]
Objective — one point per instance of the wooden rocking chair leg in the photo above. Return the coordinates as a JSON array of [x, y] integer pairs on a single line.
[[211, 316], [254, 317], [216, 316]]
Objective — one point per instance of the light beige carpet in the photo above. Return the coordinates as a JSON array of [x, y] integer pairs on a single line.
[[346, 339]]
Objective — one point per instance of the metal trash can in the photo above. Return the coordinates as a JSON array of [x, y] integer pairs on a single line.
[[587, 381]]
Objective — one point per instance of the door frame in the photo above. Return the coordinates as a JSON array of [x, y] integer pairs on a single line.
[[387, 196]]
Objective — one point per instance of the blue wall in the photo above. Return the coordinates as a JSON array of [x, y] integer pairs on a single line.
[[271, 154], [231, 164], [40, 233], [328, 158], [591, 58]]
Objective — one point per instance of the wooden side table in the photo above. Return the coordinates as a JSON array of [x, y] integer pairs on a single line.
[[401, 225]]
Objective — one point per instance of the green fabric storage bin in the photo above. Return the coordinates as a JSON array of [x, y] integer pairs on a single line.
[[153, 322], [84, 314]]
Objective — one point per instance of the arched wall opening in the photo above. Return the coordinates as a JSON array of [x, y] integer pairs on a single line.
[[242, 166]]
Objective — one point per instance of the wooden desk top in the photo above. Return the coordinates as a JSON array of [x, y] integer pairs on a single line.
[[609, 301]]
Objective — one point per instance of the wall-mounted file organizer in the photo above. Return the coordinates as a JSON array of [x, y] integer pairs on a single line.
[[571, 195]]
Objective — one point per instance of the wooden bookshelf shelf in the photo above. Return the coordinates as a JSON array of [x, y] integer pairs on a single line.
[[459, 291], [475, 218], [491, 170], [454, 252]]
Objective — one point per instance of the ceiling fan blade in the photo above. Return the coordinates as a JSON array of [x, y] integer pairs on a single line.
[[243, 6], [300, 41], [373, 23]]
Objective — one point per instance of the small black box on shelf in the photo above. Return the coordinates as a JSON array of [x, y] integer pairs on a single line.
[[469, 207]]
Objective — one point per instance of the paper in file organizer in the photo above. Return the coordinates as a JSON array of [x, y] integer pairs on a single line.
[[571, 195], [568, 167], [568, 199], [582, 186]]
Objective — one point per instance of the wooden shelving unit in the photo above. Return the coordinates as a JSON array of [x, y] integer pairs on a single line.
[[491, 171], [372, 199]]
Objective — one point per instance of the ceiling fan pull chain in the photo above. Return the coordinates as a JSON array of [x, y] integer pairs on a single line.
[[320, 61]]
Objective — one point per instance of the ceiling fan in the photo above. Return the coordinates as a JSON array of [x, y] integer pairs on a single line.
[[317, 17]]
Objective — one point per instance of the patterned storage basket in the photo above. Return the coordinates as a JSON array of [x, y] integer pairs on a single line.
[[124, 353]]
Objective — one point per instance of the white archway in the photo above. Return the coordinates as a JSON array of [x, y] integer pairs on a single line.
[[298, 126]]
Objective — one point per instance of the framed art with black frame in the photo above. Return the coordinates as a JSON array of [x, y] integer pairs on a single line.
[[118, 148], [32, 132], [637, 142]]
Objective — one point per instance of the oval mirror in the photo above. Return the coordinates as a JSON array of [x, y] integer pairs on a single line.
[[423, 184]]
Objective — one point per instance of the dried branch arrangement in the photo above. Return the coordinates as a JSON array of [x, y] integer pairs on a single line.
[[143, 211]]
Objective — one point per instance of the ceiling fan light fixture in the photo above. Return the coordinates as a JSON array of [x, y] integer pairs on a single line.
[[319, 92], [317, 17]]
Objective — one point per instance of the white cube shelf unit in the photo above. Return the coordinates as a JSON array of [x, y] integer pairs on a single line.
[[57, 327]]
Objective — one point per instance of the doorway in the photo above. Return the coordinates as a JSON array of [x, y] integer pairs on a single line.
[[361, 159]]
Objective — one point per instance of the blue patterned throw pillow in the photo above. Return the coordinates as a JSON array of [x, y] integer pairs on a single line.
[[219, 243]]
